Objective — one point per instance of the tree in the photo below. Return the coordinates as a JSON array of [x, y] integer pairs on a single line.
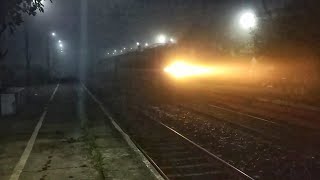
[[290, 37], [11, 15], [295, 25]]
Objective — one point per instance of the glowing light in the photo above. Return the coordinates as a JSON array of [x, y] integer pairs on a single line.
[[146, 44], [61, 45], [45, 3], [138, 43], [124, 48], [53, 34], [248, 20], [115, 51], [172, 40], [181, 69], [161, 39]]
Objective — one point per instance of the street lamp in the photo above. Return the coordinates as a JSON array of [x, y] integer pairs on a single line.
[[50, 43], [161, 39], [248, 20]]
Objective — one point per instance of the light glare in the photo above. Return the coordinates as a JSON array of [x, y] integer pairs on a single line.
[[248, 20], [161, 39], [181, 69]]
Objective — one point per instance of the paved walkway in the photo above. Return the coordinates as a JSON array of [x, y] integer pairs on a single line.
[[75, 140]]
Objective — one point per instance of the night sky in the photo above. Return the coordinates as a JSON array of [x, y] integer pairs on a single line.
[[113, 24]]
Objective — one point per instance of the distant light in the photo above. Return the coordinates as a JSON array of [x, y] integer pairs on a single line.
[[121, 51], [130, 48], [146, 44], [248, 20], [161, 39], [115, 51], [53, 34], [172, 40], [45, 3], [124, 48], [61, 45], [108, 53], [60, 41], [138, 43]]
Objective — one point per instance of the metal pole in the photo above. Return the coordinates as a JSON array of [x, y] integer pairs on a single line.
[[48, 57], [83, 39], [27, 55]]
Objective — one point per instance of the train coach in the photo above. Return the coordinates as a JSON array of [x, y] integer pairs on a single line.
[[156, 69], [140, 69]]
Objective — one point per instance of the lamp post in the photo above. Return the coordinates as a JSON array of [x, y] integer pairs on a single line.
[[48, 54], [248, 22]]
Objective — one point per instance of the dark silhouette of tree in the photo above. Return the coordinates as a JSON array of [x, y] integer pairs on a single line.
[[11, 15], [295, 25], [290, 36]]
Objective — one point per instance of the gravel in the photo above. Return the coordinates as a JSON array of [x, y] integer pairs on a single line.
[[260, 158]]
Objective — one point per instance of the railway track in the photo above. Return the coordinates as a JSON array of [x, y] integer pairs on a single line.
[[281, 112], [257, 125], [174, 155], [274, 101]]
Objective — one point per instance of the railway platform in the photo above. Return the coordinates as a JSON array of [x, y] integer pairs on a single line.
[[64, 134]]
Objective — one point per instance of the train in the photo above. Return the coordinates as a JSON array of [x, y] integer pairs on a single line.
[[145, 69]]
